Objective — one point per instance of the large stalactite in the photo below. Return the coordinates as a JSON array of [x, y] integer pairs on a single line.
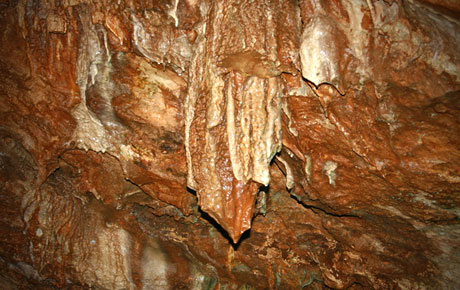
[[233, 109], [198, 144]]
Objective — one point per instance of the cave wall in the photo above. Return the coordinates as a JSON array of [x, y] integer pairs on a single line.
[[198, 144]]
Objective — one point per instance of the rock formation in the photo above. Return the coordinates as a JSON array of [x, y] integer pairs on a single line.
[[198, 144]]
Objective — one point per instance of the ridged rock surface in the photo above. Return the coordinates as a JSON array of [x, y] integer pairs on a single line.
[[198, 144]]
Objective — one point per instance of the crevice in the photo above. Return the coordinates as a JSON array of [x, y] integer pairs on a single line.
[[327, 212], [310, 83]]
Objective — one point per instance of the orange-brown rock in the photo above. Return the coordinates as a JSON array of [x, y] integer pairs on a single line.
[[197, 144]]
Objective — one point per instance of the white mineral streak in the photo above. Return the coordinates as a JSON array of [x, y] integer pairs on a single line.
[[214, 110], [273, 132], [289, 176], [165, 45], [318, 53], [329, 170], [308, 167], [139, 38], [90, 132], [255, 96], [21, 12], [233, 145], [265, 119], [288, 114], [254, 133], [358, 37], [151, 104], [173, 13]]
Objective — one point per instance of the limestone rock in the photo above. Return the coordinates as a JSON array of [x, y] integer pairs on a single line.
[[197, 144]]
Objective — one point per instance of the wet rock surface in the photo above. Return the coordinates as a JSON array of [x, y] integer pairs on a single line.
[[194, 144]]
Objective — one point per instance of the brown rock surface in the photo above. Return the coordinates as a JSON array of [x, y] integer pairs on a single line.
[[196, 144]]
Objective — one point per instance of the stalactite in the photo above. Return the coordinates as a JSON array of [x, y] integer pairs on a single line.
[[233, 112]]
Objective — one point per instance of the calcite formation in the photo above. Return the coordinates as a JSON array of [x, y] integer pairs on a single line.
[[198, 144], [233, 108]]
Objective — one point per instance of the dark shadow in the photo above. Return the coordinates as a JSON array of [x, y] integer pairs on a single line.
[[191, 191], [264, 188], [223, 232]]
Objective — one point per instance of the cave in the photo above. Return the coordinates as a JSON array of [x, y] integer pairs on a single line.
[[230, 144]]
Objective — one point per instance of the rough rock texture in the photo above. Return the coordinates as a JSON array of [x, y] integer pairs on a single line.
[[198, 144]]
